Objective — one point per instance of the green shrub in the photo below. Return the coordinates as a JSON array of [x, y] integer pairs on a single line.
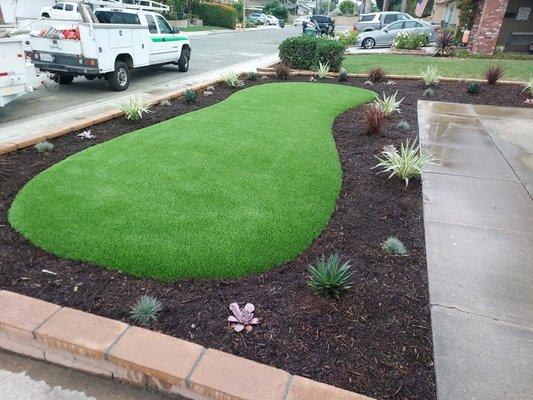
[[329, 277], [305, 52], [216, 14], [410, 40], [278, 10], [348, 38]]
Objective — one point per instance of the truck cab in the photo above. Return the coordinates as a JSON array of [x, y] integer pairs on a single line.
[[67, 10]]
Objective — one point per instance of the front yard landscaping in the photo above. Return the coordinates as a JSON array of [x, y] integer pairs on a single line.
[[227, 191], [256, 184], [517, 70]]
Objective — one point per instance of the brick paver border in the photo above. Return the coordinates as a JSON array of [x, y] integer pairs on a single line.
[[103, 346]]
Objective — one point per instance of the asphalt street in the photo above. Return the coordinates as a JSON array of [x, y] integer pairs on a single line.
[[209, 52]]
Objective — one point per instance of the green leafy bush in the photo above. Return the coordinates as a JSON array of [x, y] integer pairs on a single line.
[[305, 52], [410, 40], [216, 14], [275, 8], [329, 277], [348, 38]]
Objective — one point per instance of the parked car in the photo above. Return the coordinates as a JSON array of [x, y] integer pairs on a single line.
[[67, 10], [258, 18], [386, 35], [272, 20], [323, 23], [376, 21], [300, 20]]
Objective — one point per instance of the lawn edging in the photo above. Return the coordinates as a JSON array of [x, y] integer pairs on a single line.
[[113, 113], [116, 350]]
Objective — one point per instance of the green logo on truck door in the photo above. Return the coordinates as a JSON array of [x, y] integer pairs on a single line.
[[168, 38]]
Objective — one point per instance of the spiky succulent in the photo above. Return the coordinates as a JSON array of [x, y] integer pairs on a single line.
[[134, 107], [146, 310], [232, 80], [322, 70], [393, 246], [474, 88], [343, 75], [44, 147], [329, 277], [389, 104], [242, 318], [190, 96], [252, 75], [430, 76]]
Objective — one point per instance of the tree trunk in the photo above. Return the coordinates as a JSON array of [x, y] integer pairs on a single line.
[[368, 6], [385, 5], [404, 6]]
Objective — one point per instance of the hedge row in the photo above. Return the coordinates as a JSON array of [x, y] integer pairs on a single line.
[[216, 14], [305, 52]]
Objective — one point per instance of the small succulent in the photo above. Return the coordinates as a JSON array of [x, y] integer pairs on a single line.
[[86, 134], [44, 147], [428, 93], [210, 88], [393, 246], [190, 96], [403, 125], [474, 88], [252, 76], [242, 318], [146, 310], [329, 277], [343, 75]]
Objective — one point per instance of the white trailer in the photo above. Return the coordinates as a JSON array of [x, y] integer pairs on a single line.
[[109, 43], [17, 74]]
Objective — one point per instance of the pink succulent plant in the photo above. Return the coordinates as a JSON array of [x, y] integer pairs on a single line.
[[242, 318]]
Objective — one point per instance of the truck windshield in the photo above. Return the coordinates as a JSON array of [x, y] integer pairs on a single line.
[[115, 17]]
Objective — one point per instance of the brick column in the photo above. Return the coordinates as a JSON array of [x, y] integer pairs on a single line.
[[486, 27]]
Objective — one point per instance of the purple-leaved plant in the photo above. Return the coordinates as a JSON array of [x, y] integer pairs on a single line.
[[242, 318]]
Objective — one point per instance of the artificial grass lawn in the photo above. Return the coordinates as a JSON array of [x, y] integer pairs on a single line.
[[225, 191], [518, 70]]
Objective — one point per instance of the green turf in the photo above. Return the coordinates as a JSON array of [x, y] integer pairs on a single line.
[[518, 70], [229, 190]]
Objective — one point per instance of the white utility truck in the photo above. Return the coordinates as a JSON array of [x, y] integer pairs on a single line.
[[17, 74], [108, 43]]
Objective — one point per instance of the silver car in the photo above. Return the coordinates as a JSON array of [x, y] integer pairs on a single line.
[[386, 35]]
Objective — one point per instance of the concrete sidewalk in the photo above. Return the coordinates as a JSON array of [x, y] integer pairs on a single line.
[[478, 217]]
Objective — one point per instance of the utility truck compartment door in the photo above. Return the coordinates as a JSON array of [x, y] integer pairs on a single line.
[[120, 38]]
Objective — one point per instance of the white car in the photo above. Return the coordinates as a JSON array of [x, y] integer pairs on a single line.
[[272, 20], [67, 10], [300, 20]]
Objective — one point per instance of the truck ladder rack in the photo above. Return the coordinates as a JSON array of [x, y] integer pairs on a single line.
[[147, 5]]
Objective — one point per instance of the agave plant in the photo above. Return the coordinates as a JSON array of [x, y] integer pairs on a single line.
[[474, 88], [389, 104], [406, 163], [444, 44], [242, 318], [343, 75], [329, 277]]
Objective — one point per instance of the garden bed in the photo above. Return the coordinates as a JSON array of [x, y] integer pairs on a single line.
[[375, 340]]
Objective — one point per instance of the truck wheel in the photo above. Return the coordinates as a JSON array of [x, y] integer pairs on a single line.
[[183, 62], [119, 79], [63, 79], [369, 43]]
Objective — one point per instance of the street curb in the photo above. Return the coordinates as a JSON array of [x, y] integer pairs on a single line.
[[8, 147], [110, 348], [301, 72]]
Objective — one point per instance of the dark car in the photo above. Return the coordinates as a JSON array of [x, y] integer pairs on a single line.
[[324, 24]]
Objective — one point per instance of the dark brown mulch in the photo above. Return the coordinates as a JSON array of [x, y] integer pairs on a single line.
[[376, 340]]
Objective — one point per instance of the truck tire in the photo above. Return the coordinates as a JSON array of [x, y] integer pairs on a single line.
[[119, 79], [183, 62], [63, 79]]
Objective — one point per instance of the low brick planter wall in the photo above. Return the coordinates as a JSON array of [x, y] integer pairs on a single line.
[[142, 357]]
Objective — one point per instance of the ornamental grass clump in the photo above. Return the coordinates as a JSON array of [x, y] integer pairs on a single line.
[[232, 80], [190, 96], [444, 44], [146, 310], [373, 118], [406, 163], [44, 147], [389, 104], [282, 71], [403, 126], [134, 107], [343, 75], [377, 74], [528, 87], [322, 71], [329, 277], [430, 76], [393, 246], [493, 74], [428, 93]]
